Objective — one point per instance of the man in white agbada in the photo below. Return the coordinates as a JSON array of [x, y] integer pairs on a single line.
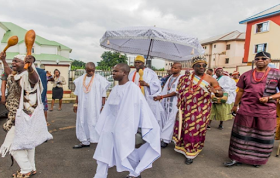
[[152, 87], [169, 101], [90, 94], [221, 111], [125, 113], [26, 126]]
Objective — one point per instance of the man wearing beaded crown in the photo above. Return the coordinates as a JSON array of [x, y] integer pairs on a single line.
[[152, 87], [90, 94], [252, 135], [194, 100], [169, 99]]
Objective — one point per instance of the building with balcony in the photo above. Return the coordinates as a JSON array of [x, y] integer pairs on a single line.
[[225, 50], [262, 33]]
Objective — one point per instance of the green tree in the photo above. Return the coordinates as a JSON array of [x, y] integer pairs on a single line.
[[155, 69], [110, 59], [76, 64]]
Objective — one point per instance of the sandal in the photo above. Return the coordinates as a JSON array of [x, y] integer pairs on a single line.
[[15, 174], [19, 175]]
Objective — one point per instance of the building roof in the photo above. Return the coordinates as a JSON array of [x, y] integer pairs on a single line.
[[266, 13], [12, 29], [232, 36], [41, 57]]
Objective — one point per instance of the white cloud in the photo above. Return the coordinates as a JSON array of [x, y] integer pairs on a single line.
[[80, 24]]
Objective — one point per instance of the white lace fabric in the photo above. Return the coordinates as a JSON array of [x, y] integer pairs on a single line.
[[29, 130], [166, 44]]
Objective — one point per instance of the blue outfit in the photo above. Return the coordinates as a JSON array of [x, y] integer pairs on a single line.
[[43, 77]]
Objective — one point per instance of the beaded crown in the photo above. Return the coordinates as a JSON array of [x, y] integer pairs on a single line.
[[198, 59]]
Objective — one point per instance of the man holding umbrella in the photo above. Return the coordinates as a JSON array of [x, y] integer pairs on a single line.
[[151, 86]]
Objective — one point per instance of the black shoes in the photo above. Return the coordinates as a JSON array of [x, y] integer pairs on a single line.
[[220, 127], [80, 146], [208, 127], [163, 144], [133, 177], [231, 163], [189, 161]]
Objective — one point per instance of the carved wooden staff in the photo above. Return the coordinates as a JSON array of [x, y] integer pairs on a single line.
[[29, 42], [12, 41], [141, 73], [180, 123]]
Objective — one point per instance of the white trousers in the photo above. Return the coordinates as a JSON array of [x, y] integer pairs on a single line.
[[86, 142], [25, 159], [102, 168]]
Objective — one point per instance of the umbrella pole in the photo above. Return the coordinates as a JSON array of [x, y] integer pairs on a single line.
[[149, 62]]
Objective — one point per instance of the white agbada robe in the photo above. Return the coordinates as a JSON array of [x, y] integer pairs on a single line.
[[170, 106], [89, 106], [125, 111], [151, 78], [229, 86]]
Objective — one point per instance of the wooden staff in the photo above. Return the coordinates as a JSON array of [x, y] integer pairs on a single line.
[[141, 73], [29, 42], [180, 123], [13, 40]]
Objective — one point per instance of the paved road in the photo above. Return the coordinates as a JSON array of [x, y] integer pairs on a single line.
[[57, 159]]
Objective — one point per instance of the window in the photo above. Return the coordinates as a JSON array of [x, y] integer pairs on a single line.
[[260, 47], [213, 59], [228, 47], [227, 60], [262, 27], [32, 51], [204, 47], [214, 46]]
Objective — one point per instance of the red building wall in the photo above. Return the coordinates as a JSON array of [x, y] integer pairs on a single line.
[[275, 19]]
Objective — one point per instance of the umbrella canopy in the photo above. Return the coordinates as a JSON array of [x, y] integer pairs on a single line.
[[152, 41]]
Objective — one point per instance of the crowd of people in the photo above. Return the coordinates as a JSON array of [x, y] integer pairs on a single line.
[[142, 115]]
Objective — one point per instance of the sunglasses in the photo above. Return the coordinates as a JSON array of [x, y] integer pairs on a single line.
[[261, 58], [198, 65]]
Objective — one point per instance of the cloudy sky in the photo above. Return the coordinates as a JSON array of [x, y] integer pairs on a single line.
[[80, 24]]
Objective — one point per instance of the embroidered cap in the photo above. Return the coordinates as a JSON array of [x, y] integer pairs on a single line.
[[20, 56], [263, 53], [140, 58], [235, 73]]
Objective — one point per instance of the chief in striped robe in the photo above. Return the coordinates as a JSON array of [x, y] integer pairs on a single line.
[[194, 99]]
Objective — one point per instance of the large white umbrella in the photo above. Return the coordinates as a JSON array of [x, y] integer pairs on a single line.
[[152, 41]]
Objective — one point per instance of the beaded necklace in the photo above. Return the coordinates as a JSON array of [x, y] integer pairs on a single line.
[[87, 88], [169, 86], [194, 88], [264, 75]]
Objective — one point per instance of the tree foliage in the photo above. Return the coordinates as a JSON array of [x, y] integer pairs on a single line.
[[155, 69], [76, 64], [110, 59]]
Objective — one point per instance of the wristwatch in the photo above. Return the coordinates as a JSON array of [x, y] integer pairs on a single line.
[[270, 98]]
